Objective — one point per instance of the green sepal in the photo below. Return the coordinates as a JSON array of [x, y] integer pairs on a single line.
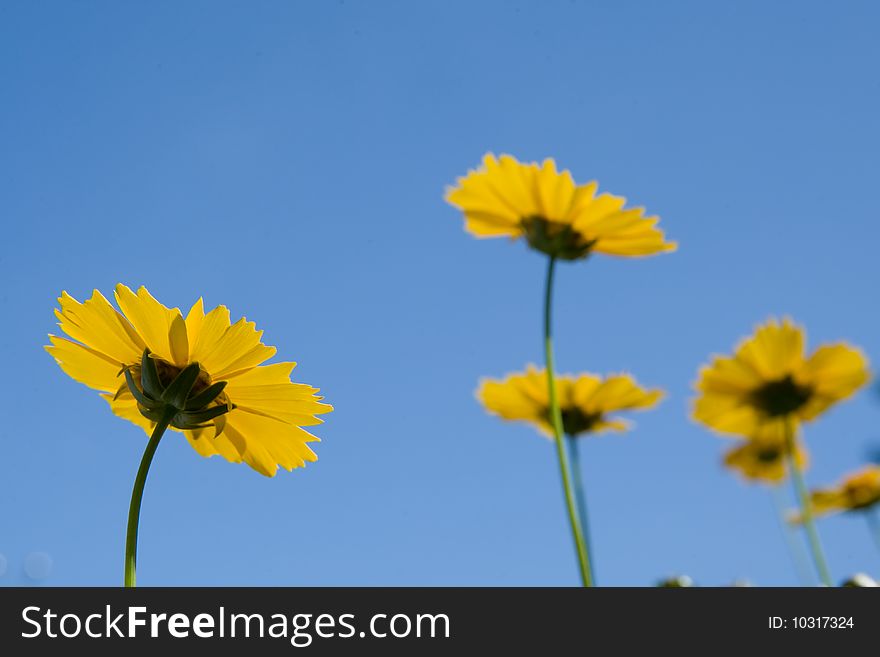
[[141, 398], [556, 239], [150, 381], [205, 397], [154, 414], [178, 390], [191, 419]]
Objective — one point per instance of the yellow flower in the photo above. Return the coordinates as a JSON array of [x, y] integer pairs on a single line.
[[586, 400], [508, 198], [858, 491], [237, 407], [769, 380], [762, 459]]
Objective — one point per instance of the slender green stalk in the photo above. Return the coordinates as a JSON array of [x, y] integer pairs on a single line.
[[795, 547], [803, 496], [872, 516], [556, 421], [580, 495], [134, 510]]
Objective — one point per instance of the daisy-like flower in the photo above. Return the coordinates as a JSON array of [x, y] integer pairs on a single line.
[[769, 387], [508, 198], [858, 491], [587, 400], [770, 380], [762, 460], [150, 358]]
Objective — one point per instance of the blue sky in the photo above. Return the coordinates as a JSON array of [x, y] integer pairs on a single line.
[[288, 160]]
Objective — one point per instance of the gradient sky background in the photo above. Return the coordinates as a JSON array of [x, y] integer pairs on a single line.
[[288, 160]]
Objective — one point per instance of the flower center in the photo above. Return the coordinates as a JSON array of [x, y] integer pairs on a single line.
[[861, 496], [556, 239], [769, 454], [168, 372], [781, 397], [575, 421]]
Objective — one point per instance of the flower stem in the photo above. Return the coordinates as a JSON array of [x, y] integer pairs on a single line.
[[795, 547], [803, 496], [556, 421], [580, 495], [134, 510]]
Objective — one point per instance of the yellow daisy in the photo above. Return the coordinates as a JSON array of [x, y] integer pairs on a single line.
[[769, 380], [149, 357], [508, 198], [586, 400], [857, 492], [762, 460]]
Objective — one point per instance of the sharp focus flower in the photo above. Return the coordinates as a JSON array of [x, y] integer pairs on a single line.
[[769, 380], [857, 492], [586, 400], [762, 459], [508, 198], [210, 370]]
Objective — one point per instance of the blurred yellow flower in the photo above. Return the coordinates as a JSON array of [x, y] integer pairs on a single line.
[[505, 197], [769, 381], [762, 460], [232, 405], [586, 400], [857, 492]]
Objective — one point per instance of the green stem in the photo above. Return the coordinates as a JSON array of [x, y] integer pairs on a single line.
[[134, 510], [803, 496], [795, 547], [579, 494], [556, 421]]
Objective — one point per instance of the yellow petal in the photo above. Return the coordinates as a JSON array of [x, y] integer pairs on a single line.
[[288, 402], [178, 341], [481, 224], [194, 319], [727, 415], [96, 324], [239, 347], [835, 371], [275, 373], [211, 330], [152, 320], [618, 393], [86, 365], [554, 191], [230, 446], [731, 376], [270, 443], [775, 351]]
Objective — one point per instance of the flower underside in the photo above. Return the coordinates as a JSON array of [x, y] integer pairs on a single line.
[[558, 240], [781, 397], [575, 421], [185, 393]]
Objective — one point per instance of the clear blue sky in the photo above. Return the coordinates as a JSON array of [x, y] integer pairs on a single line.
[[289, 160]]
